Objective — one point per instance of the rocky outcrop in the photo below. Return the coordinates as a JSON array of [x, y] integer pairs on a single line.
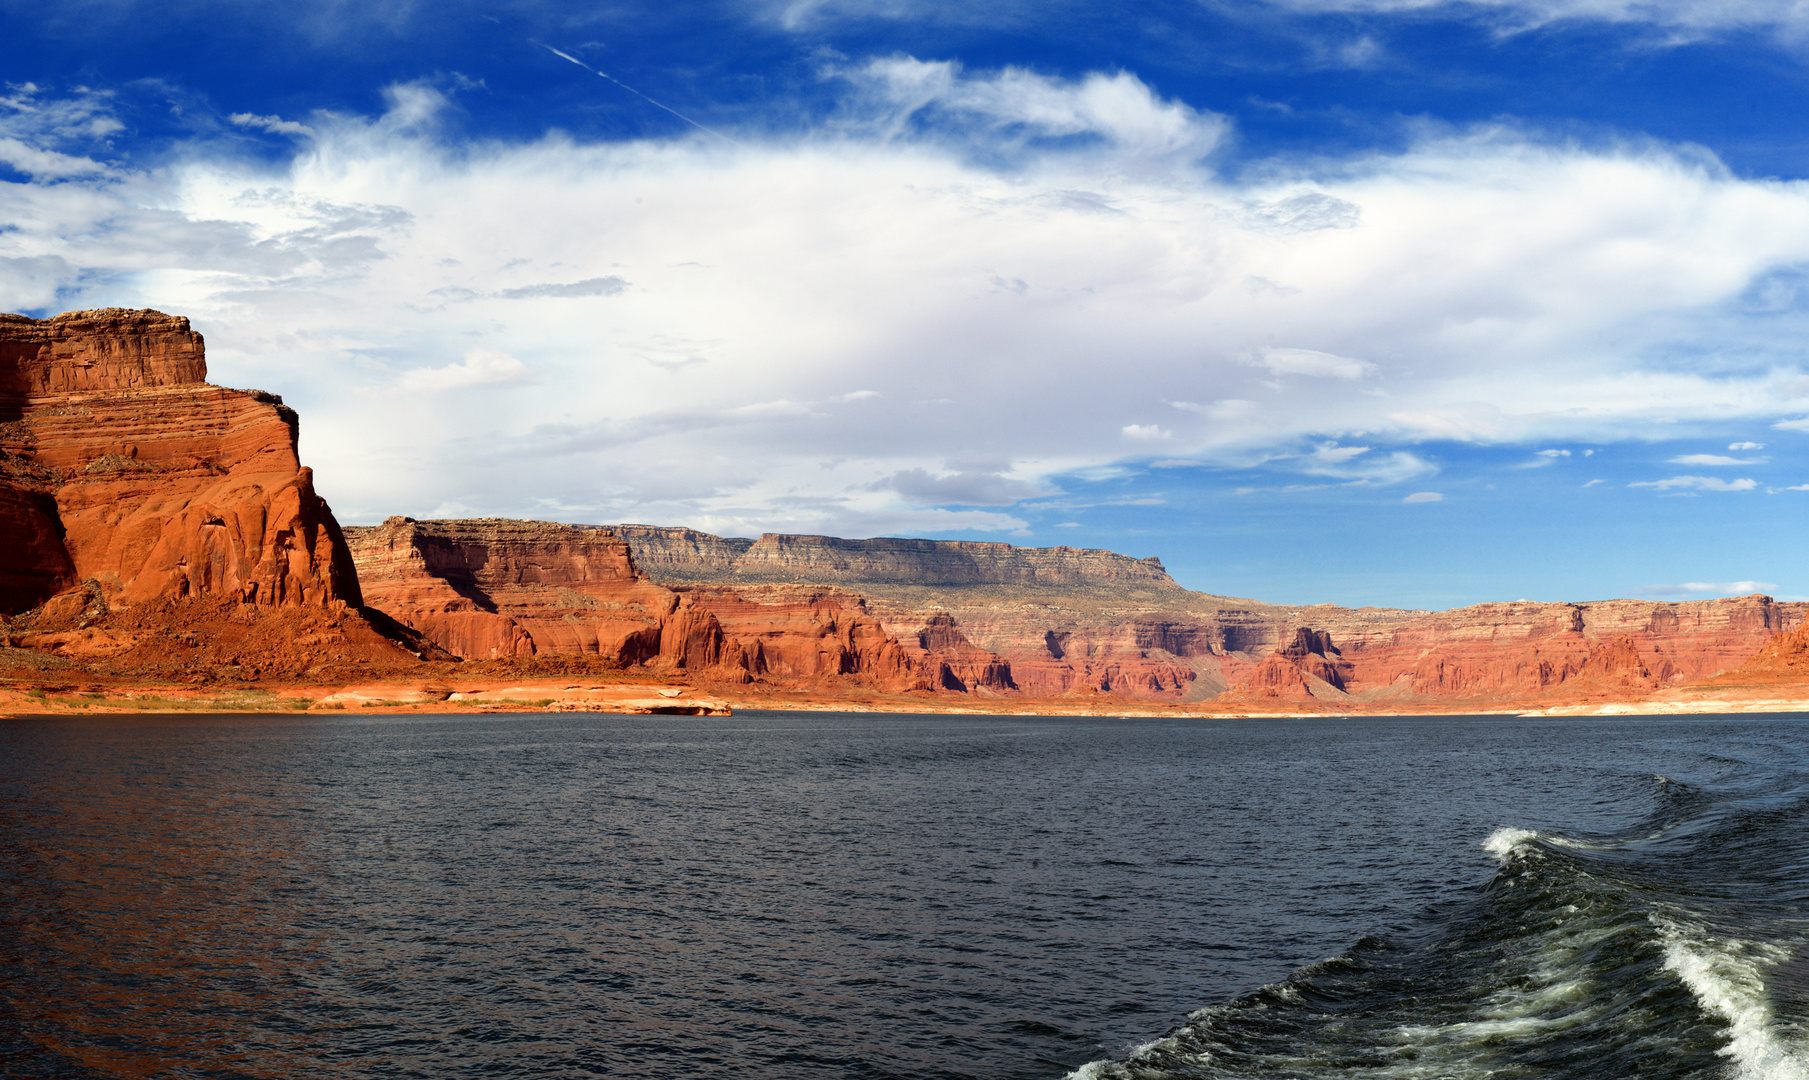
[[952, 662], [493, 587], [106, 350], [1097, 623], [1518, 649], [121, 466], [500, 588]]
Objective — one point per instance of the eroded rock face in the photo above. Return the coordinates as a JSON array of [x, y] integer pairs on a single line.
[[1118, 626], [109, 349], [1518, 649], [493, 587], [152, 483]]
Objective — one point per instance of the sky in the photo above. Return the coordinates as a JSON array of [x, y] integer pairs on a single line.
[[1408, 303]]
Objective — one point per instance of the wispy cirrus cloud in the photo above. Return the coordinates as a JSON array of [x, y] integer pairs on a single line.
[[1702, 590], [1696, 483], [1714, 460]]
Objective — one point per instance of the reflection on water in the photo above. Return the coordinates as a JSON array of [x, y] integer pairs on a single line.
[[756, 896], [157, 905]]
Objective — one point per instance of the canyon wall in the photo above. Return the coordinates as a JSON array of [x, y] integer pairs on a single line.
[[498, 588], [121, 466], [130, 487], [1100, 623]]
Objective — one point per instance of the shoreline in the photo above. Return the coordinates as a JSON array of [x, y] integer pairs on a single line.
[[653, 696]]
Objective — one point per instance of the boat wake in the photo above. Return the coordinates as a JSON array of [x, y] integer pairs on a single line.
[[1678, 949]]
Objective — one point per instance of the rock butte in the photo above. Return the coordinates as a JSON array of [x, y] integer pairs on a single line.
[[121, 465], [155, 526], [131, 489]]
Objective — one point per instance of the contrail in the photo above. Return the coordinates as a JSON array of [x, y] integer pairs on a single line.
[[637, 93]]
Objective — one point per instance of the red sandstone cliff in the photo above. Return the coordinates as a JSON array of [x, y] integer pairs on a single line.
[[143, 510], [119, 464], [1067, 622], [493, 587]]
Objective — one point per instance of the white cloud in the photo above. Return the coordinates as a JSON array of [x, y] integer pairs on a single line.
[[714, 389], [1543, 458], [1310, 362], [46, 164], [1333, 454], [1793, 425], [276, 125], [1424, 497], [1228, 409], [1696, 483], [1696, 589], [1714, 459], [597, 286], [976, 487], [901, 95], [1677, 21], [1746, 446], [480, 367], [1355, 464]]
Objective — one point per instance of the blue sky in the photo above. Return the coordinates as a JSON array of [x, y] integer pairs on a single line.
[[1364, 301]]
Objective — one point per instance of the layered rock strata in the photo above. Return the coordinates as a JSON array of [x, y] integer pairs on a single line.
[[1122, 627], [121, 466], [1042, 622], [499, 588], [686, 555]]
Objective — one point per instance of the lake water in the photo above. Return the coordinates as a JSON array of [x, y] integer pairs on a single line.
[[780, 895]]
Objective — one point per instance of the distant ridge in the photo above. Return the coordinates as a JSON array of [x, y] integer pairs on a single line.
[[685, 556]]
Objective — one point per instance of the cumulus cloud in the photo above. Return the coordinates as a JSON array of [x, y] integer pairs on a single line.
[[901, 96], [1424, 497], [1696, 483], [1306, 211], [852, 333], [1746, 446]]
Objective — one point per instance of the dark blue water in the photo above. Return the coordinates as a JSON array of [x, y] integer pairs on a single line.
[[823, 895]]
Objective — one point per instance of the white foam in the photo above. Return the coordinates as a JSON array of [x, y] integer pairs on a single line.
[[1727, 978], [1503, 842], [1120, 1070]]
